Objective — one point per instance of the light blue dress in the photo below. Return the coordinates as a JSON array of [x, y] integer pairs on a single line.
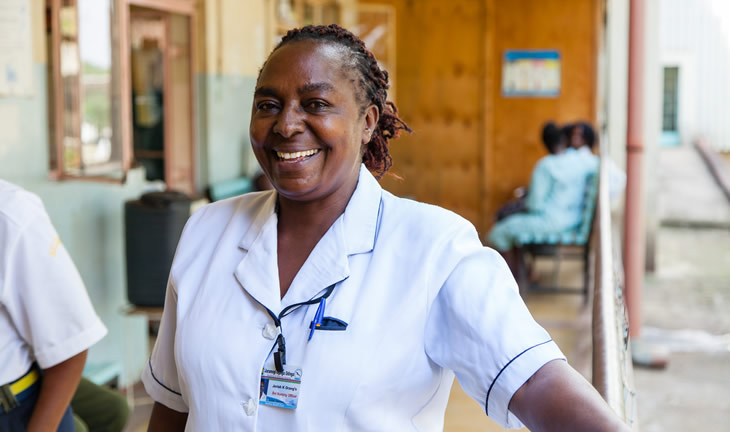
[[554, 200]]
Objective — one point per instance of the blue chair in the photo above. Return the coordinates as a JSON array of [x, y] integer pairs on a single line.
[[230, 188], [569, 244]]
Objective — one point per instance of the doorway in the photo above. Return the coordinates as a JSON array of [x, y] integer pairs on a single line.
[[160, 80], [670, 107]]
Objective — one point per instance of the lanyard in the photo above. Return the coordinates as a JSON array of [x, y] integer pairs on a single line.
[[280, 353]]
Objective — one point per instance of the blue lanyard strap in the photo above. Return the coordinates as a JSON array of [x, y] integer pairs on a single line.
[[280, 353]]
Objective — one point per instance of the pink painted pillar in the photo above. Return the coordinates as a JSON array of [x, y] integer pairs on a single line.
[[634, 235]]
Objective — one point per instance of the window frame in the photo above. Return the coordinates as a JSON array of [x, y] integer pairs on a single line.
[[121, 63], [57, 171]]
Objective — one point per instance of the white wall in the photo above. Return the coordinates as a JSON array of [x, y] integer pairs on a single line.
[[695, 35], [617, 62], [617, 65]]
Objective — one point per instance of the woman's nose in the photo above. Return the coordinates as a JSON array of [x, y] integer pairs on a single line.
[[289, 122]]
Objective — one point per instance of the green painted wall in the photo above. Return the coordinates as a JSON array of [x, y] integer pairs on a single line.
[[224, 113], [88, 217]]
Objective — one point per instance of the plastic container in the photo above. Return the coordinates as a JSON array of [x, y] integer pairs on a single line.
[[153, 225]]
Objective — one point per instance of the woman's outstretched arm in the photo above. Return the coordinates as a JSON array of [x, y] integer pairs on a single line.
[[166, 419], [558, 398]]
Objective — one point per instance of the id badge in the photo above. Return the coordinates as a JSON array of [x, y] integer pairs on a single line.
[[280, 389]]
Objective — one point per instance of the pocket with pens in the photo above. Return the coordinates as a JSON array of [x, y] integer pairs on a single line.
[[321, 322]]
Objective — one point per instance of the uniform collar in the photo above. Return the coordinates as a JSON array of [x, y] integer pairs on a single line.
[[352, 233], [360, 218]]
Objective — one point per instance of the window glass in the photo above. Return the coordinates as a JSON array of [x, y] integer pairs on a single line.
[[85, 143], [669, 108]]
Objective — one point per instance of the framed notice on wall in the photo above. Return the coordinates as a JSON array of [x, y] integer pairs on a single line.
[[531, 73]]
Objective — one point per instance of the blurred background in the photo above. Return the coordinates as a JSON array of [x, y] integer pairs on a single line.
[[105, 101]]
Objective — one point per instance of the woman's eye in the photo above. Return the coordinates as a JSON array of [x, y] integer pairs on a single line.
[[316, 105], [266, 106]]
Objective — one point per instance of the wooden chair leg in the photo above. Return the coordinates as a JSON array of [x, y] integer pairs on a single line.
[[556, 268], [586, 273], [521, 272]]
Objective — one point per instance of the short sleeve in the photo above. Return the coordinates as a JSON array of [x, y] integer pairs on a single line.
[[480, 328], [46, 298], [540, 185], [160, 377]]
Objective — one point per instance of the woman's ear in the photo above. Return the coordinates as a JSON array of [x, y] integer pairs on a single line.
[[371, 122]]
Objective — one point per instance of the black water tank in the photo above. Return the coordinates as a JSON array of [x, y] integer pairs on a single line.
[[153, 225]]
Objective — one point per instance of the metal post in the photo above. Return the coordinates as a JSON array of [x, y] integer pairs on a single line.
[[634, 240]]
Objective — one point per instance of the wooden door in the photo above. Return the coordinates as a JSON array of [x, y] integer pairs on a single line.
[[471, 145], [514, 124], [157, 40], [440, 65]]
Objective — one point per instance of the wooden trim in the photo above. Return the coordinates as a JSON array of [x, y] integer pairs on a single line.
[[96, 178], [183, 7], [596, 42], [193, 104], [149, 154], [57, 172], [489, 90], [484, 126], [391, 38], [167, 100], [125, 84]]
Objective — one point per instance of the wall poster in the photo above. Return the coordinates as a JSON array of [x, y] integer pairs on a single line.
[[531, 73]]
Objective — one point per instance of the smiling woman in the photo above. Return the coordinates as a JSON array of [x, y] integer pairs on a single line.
[[329, 304]]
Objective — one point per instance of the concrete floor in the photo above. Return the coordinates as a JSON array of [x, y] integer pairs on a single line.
[[686, 304], [687, 191]]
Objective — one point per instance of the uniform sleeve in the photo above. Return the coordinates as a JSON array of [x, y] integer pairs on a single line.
[[160, 377], [47, 299], [480, 328], [540, 185]]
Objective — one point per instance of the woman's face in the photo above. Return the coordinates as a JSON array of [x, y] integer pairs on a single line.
[[306, 127], [576, 137]]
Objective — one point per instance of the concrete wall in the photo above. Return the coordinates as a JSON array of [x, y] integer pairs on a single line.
[[617, 70], [232, 45], [88, 216], [616, 103]]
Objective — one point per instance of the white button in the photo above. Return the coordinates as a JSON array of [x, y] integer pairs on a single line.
[[250, 407], [270, 331]]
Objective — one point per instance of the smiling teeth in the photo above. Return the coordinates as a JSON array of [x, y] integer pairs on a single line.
[[295, 155]]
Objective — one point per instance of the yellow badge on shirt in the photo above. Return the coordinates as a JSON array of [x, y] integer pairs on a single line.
[[55, 244]]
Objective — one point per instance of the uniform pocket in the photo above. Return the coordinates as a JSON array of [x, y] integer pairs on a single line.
[[332, 324]]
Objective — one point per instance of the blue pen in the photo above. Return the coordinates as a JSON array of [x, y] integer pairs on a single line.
[[318, 316]]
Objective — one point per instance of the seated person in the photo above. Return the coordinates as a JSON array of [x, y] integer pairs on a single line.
[[582, 137], [555, 197], [553, 146], [47, 322], [98, 408]]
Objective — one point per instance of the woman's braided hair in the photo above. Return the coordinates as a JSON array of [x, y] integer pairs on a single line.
[[373, 89]]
